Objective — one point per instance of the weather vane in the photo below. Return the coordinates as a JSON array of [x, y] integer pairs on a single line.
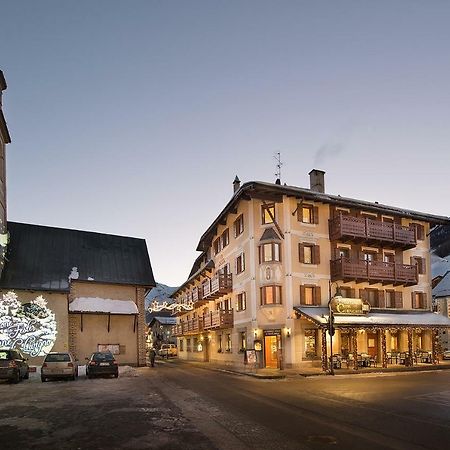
[[277, 157]]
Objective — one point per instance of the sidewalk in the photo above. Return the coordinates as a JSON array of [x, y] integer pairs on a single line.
[[271, 374]]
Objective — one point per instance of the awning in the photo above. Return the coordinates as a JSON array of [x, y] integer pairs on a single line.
[[319, 315], [102, 306]]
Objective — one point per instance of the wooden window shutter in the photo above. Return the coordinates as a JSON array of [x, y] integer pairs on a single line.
[[316, 256], [352, 293], [315, 214], [423, 266], [381, 299], [317, 295], [260, 251], [301, 252], [424, 301], [413, 300], [302, 294], [363, 295], [398, 299]]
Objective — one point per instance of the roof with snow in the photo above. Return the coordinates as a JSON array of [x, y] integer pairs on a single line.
[[102, 305], [163, 320], [442, 289], [43, 258]]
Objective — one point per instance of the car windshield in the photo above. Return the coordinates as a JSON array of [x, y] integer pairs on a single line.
[[103, 357], [5, 354], [57, 357]]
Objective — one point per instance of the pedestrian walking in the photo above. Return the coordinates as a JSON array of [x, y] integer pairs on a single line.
[[152, 354]]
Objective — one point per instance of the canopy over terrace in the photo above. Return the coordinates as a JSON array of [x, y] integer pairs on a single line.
[[377, 321]]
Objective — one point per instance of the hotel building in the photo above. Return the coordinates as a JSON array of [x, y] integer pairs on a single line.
[[275, 257]]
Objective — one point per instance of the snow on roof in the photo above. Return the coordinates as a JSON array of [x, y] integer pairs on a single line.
[[103, 305], [320, 316], [166, 320], [442, 289]]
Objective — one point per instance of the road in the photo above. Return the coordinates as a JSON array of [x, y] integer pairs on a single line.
[[179, 406]]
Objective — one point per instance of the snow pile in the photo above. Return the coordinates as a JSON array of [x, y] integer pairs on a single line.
[[74, 275], [103, 305], [128, 371]]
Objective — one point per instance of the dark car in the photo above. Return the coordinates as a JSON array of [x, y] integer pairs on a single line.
[[13, 365], [102, 363]]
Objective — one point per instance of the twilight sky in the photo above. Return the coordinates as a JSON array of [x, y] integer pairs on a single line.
[[133, 117]]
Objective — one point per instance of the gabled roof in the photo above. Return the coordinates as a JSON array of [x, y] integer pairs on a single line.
[[270, 235], [42, 258], [442, 289], [275, 192], [163, 320]]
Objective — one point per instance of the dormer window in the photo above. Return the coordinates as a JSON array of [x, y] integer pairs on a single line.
[[270, 252]]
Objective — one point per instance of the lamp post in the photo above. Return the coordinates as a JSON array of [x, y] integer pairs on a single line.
[[331, 324]]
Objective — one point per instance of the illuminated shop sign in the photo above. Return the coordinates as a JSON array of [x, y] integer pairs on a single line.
[[30, 327], [349, 306]]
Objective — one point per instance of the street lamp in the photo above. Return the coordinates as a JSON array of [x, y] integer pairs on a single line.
[[331, 322]]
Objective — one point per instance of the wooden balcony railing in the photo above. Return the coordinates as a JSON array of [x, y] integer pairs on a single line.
[[220, 284], [218, 320], [191, 326], [347, 269], [206, 288], [360, 229], [196, 294]]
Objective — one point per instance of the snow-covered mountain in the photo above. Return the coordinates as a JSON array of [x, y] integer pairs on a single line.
[[440, 251], [161, 293]]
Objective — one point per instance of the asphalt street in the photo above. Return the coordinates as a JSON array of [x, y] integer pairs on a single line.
[[179, 406]]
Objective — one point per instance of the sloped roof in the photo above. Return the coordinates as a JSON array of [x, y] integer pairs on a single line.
[[164, 320], [442, 289], [42, 258], [270, 235]]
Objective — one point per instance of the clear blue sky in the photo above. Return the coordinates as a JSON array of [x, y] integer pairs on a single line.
[[133, 117]]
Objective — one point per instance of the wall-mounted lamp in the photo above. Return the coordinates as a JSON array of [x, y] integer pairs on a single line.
[[201, 338], [288, 332]]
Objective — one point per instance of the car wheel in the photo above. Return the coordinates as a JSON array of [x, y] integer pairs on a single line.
[[27, 375], [16, 377], [43, 379], [73, 378], [116, 375]]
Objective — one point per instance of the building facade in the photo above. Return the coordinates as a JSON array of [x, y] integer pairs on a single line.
[[276, 255]]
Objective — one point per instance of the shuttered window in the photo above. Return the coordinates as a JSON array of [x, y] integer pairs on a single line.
[[309, 253], [308, 214], [420, 262], [420, 231], [419, 300], [310, 295], [271, 295], [268, 213], [240, 263], [241, 303], [239, 226]]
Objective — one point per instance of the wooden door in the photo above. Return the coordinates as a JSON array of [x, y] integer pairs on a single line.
[[271, 351], [372, 344]]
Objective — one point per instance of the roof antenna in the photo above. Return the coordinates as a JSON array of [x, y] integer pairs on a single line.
[[277, 157]]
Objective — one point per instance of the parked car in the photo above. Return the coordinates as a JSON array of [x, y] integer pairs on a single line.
[[59, 365], [446, 354], [167, 350], [13, 365], [101, 363]]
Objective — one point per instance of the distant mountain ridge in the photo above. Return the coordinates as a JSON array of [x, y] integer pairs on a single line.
[[440, 250], [160, 293]]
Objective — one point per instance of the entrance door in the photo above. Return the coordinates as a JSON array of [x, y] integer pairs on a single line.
[[206, 350], [271, 351], [372, 344]]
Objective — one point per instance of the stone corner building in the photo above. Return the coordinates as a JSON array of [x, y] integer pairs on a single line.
[[276, 254]]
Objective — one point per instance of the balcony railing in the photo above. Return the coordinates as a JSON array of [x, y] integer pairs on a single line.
[[196, 294], [347, 269], [360, 229], [220, 284], [191, 326], [218, 320]]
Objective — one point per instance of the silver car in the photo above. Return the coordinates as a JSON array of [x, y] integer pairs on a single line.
[[59, 365]]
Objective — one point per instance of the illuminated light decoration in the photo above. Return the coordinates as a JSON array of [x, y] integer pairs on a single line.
[[30, 327], [175, 307], [4, 241]]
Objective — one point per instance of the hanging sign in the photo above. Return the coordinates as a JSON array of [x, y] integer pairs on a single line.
[[349, 306], [30, 327]]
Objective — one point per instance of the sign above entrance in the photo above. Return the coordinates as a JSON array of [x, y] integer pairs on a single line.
[[349, 306]]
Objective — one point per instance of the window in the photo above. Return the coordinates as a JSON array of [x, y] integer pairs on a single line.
[[310, 344], [346, 292], [268, 213], [241, 303], [240, 263], [228, 345], [309, 253], [225, 238], [420, 231], [310, 295], [389, 296], [239, 226], [188, 345], [195, 344], [419, 300], [181, 344], [389, 257], [372, 297], [227, 304], [270, 252], [216, 246], [308, 214], [271, 295], [369, 255], [420, 263], [343, 252], [219, 343], [242, 341]]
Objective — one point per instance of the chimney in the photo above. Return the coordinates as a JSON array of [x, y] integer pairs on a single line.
[[236, 184], [317, 180]]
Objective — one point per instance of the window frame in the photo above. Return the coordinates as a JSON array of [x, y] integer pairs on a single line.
[[241, 301], [265, 208], [262, 252], [239, 226], [240, 263], [276, 295]]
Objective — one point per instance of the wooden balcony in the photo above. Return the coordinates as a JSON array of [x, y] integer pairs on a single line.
[[196, 294], [220, 284], [347, 269], [347, 228], [218, 320], [191, 326]]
